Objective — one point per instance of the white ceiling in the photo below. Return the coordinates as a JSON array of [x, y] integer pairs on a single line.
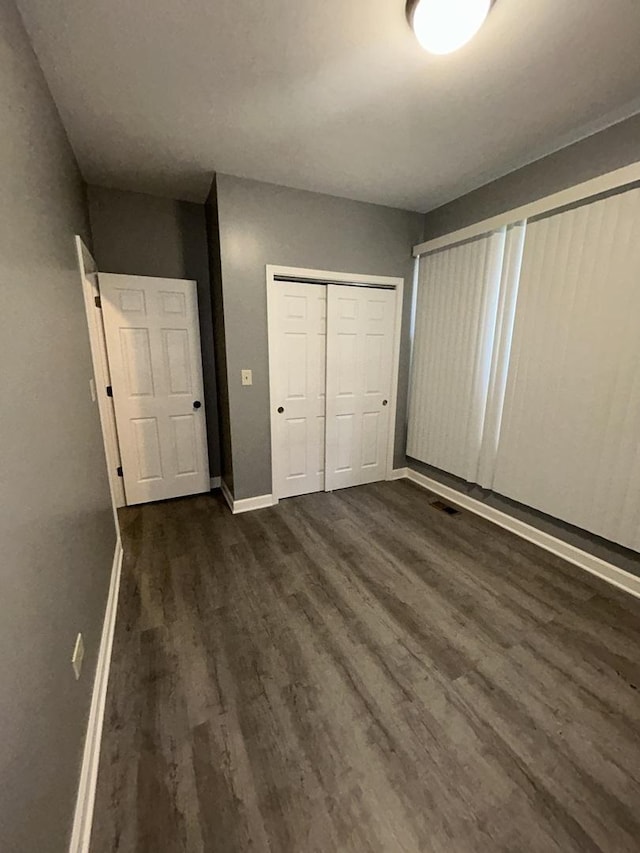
[[328, 95]]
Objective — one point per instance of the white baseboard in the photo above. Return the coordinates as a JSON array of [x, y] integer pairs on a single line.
[[215, 482], [259, 502], [246, 504], [398, 474], [83, 818], [594, 565]]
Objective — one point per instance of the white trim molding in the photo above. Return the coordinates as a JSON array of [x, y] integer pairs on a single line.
[[594, 565], [246, 504], [257, 502], [331, 277], [91, 290], [83, 818], [398, 474], [579, 192]]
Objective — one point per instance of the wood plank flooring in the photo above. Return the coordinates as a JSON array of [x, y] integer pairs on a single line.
[[357, 672]]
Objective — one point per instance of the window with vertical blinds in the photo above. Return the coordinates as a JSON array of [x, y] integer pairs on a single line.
[[570, 434], [526, 364]]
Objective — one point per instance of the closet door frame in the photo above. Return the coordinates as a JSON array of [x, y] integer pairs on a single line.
[[312, 276]]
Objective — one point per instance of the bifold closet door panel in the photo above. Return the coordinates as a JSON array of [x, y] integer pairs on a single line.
[[570, 434], [298, 351], [455, 321], [360, 331]]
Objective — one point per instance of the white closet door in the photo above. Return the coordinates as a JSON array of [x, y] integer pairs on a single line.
[[153, 343], [570, 434], [298, 352], [451, 364], [360, 329]]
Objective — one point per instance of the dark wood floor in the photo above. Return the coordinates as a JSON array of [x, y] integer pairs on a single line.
[[359, 671]]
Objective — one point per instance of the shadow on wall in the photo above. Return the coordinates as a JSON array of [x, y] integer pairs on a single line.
[[138, 234]]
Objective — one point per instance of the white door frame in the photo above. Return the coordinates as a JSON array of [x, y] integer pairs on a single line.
[[328, 277], [90, 289]]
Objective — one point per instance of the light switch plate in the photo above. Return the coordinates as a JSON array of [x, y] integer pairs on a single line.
[[78, 656], [247, 377]]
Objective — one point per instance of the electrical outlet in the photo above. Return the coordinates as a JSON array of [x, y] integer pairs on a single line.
[[92, 388], [247, 377], [78, 656]]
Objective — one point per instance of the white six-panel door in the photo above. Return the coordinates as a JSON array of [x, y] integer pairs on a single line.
[[153, 343], [298, 354], [360, 348]]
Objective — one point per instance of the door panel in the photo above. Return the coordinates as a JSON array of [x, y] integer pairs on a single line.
[[370, 443], [147, 444], [175, 346], [184, 438], [153, 344], [136, 356], [360, 329], [298, 351]]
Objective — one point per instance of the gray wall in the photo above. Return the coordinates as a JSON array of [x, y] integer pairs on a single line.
[[611, 149], [266, 224], [56, 523], [138, 234]]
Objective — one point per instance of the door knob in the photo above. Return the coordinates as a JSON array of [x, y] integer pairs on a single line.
[[280, 409], [196, 404], [384, 402]]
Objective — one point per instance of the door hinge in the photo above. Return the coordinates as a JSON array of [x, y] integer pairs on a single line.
[[98, 301], [119, 471], [109, 391]]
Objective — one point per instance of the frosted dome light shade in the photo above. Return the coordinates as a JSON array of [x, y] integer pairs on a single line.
[[442, 26]]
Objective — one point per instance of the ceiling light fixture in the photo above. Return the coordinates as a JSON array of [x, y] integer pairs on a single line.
[[442, 26]]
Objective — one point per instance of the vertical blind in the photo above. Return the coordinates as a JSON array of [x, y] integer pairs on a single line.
[[526, 364], [500, 354], [570, 438], [453, 341]]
